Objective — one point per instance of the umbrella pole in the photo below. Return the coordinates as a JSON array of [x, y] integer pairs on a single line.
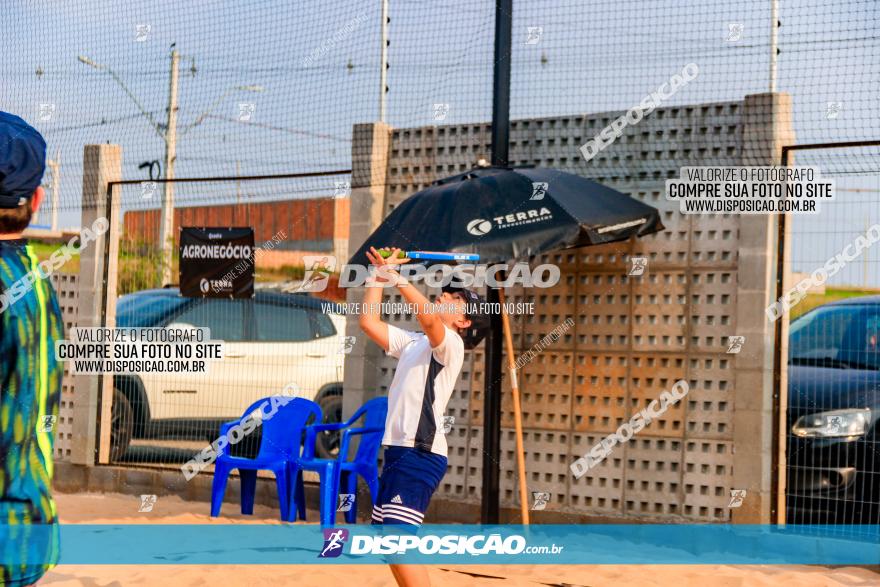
[[517, 412]]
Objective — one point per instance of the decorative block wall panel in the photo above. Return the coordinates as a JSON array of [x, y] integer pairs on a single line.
[[633, 336], [65, 285]]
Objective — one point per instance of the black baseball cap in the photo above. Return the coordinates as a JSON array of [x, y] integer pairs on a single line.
[[22, 160], [476, 332]]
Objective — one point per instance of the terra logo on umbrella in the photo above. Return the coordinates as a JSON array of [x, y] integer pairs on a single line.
[[493, 212], [480, 226]]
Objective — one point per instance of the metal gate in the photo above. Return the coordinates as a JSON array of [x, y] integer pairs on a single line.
[[279, 341], [828, 356]]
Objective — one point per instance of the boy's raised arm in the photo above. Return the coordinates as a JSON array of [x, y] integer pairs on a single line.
[[430, 322], [370, 321]]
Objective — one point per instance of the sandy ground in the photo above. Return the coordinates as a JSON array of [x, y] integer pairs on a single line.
[[123, 509]]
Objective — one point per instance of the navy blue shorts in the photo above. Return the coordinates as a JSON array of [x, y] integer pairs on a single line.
[[410, 476]]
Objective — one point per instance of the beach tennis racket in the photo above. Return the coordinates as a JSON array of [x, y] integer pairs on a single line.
[[432, 255]]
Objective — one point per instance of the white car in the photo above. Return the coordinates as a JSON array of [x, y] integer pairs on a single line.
[[272, 343]]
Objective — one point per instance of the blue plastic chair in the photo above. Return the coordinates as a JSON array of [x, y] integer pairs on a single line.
[[341, 472], [280, 442]]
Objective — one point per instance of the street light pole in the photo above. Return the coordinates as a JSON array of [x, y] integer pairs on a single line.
[[55, 166], [774, 42], [169, 135], [383, 62], [166, 235]]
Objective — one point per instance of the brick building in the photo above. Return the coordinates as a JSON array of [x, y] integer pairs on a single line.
[[314, 225]]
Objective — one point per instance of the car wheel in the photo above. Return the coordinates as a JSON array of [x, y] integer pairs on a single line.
[[327, 443], [121, 425]]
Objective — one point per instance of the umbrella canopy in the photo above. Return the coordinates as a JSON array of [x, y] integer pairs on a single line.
[[511, 213]]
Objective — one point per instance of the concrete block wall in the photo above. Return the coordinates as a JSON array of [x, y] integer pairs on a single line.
[[102, 165], [633, 336], [66, 290]]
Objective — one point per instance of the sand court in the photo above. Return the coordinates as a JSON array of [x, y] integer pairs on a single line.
[[81, 508]]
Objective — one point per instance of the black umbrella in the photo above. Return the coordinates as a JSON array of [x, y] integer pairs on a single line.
[[504, 214]]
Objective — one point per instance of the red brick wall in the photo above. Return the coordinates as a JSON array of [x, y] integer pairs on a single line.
[[302, 220]]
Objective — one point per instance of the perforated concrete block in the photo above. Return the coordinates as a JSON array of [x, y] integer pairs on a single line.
[[633, 335]]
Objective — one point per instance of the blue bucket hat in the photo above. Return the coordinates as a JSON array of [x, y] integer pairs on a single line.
[[22, 160]]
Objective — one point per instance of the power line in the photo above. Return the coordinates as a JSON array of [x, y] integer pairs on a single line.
[[95, 124], [294, 131]]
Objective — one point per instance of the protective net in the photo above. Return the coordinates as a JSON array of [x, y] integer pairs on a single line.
[[261, 89]]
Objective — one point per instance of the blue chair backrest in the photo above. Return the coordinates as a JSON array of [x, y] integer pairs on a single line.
[[374, 413], [283, 422]]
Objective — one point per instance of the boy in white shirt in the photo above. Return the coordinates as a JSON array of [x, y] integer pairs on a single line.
[[429, 363]]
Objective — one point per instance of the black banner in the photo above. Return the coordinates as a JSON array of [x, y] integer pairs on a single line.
[[217, 262]]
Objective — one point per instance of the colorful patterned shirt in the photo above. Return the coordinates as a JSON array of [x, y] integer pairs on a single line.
[[30, 376]]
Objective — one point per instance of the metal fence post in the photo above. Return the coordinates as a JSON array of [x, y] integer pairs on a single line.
[[369, 169], [102, 164], [766, 128]]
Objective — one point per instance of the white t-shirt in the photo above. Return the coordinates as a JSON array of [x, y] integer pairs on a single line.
[[422, 384]]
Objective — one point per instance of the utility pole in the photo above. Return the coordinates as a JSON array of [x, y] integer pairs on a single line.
[[166, 235], [774, 46], [865, 259], [169, 136], [55, 166], [383, 62]]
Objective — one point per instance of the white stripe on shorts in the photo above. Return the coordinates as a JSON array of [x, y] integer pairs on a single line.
[[406, 514], [395, 512], [400, 509]]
